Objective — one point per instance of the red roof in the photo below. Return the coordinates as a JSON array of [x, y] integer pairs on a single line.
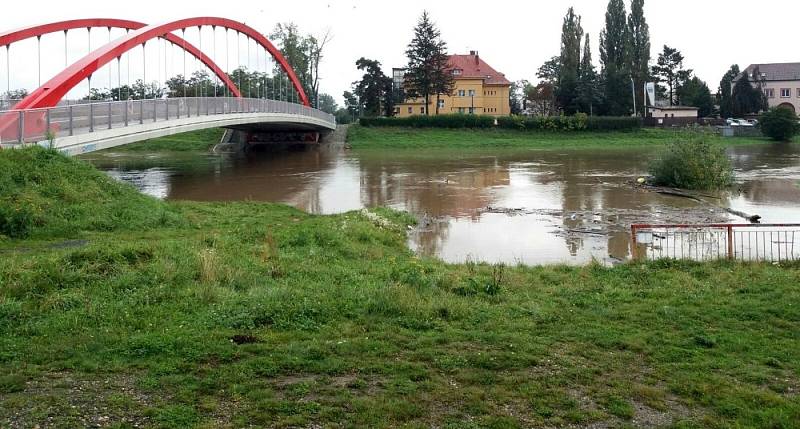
[[473, 66]]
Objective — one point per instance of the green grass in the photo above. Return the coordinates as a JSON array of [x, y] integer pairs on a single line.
[[201, 140], [258, 314], [414, 138]]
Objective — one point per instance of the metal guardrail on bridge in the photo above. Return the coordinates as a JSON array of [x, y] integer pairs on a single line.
[[750, 242], [21, 126]]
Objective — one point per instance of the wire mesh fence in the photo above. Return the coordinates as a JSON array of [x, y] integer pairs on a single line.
[[753, 242]]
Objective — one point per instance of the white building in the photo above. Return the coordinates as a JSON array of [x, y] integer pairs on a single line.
[[781, 83]]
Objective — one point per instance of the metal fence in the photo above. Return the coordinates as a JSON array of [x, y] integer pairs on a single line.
[[19, 126], [751, 242]]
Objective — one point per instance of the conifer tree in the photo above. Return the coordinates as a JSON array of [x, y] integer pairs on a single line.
[[639, 49], [427, 72], [614, 58], [570, 63], [589, 91]]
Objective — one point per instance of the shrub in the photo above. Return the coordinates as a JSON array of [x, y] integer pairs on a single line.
[[780, 124], [579, 122], [438, 121], [693, 164]]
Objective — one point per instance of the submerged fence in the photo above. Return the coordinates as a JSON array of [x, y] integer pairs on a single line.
[[751, 242]]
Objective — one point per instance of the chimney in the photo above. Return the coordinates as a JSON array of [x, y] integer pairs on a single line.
[[477, 58]]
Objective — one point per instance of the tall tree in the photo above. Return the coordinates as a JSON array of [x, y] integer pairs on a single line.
[[589, 91], [614, 58], [294, 47], [351, 103], [372, 87], [639, 49], [427, 72], [550, 70], [725, 94], [389, 98], [669, 70], [542, 99], [747, 98], [516, 98], [696, 93], [304, 54], [570, 63], [328, 104]]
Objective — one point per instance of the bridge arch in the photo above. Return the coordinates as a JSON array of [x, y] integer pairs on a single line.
[[49, 94], [13, 36]]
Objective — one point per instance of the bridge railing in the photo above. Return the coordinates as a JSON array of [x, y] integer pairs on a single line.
[[36, 125]]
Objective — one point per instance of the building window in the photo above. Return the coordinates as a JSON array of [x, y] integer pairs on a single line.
[[460, 110], [462, 93], [786, 93], [410, 110], [457, 72], [471, 92], [422, 110], [441, 104], [471, 110], [769, 92]]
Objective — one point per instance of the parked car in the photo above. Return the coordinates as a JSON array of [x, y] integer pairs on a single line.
[[739, 123]]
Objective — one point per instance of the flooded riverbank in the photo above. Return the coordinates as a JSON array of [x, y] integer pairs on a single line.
[[504, 205]]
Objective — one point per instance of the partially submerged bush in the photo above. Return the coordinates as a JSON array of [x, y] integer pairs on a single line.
[[694, 163], [780, 124]]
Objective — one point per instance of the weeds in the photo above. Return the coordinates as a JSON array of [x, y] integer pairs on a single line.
[[356, 331]]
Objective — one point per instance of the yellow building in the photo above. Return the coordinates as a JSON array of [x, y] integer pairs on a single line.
[[479, 89]]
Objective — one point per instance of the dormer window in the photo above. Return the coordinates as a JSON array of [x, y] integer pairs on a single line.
[[457, 72]]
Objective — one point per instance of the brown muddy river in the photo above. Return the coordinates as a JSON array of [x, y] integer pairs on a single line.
[[503, 205]]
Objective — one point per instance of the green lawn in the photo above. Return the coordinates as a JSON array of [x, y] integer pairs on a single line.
[[226, 315], [202, 140], [415, 138]]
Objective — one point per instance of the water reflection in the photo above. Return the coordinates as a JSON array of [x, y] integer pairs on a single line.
[[510, 206]]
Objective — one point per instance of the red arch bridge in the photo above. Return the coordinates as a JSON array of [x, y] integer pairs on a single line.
[[261, 97]]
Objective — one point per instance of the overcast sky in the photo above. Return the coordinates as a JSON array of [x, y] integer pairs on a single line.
[[514, 37]]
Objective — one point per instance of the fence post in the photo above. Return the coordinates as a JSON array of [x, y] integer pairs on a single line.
[[730, 242], [141, 111], [125, 112], [21, 126], [70, 120], [47, 118], [109, 115], [91, 117]]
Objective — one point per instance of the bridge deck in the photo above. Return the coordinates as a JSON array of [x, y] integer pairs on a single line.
[[85, 128]]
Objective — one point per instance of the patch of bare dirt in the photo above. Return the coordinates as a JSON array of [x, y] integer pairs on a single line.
[[98, 402]]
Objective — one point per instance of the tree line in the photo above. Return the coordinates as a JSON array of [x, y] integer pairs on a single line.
[[569, 82]]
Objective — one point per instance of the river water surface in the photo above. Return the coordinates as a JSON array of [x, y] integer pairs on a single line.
[[502, 205]]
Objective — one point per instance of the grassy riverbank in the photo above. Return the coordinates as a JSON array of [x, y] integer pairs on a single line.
[[224, 315], [415, 138], [202, 141]]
